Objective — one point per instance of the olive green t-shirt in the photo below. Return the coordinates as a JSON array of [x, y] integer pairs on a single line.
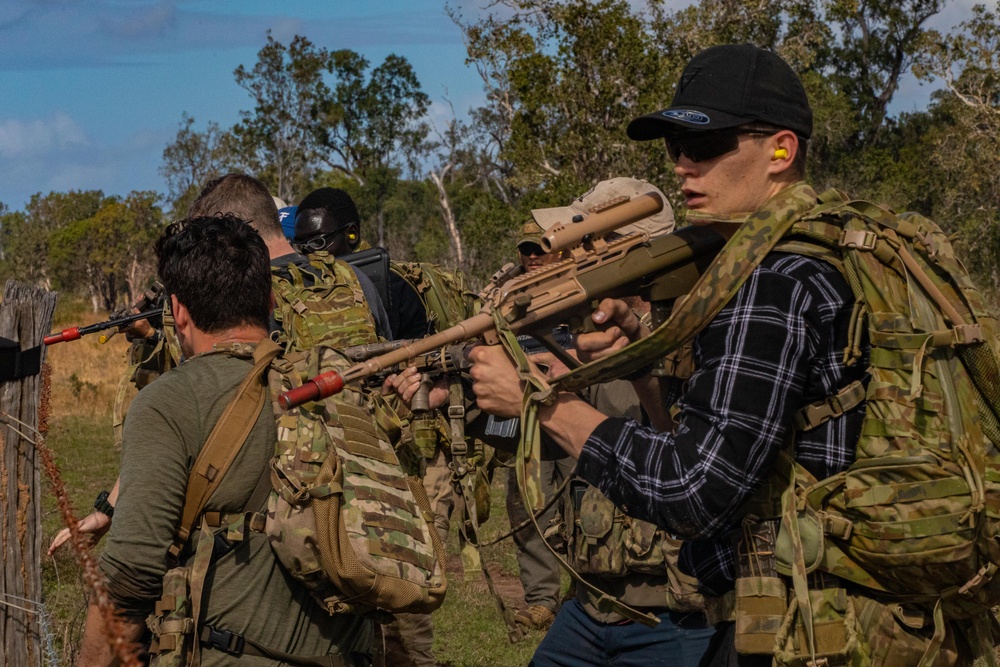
[[247, 591]]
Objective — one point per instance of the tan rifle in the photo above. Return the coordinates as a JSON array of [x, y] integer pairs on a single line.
[[594, 265]]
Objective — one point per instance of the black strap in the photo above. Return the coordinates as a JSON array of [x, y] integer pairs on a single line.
[[16, 363], [261, 491], [236, 644]]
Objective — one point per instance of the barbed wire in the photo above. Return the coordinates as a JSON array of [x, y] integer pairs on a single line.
[[35, 607], [127, 652]]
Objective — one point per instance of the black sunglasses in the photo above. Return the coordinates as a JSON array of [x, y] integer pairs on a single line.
[[528, 249], [318, 242], [698, 146]]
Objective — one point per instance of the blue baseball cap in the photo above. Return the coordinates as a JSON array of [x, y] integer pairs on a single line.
[[286, 216]]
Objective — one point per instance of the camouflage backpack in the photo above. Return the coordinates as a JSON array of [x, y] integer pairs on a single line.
[[343, 517], [444, 294], [330, 311]]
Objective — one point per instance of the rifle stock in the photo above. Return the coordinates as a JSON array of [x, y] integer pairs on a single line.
[[563, 292]]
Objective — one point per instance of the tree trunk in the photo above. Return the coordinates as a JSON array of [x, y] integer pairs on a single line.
[[25, 316], [380, 216], [449, 218]]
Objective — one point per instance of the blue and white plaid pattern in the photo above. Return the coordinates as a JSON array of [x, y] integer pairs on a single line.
[[776, 347]]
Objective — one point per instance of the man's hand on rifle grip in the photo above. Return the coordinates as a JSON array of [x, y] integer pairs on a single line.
[[498, 388], [406, 384], [618, 326]]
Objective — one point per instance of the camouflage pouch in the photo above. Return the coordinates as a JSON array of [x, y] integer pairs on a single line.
[[329, 310], [172, 621], [682, 591], [343, 517], [597, 538], [836, 633], [606, 542], [426, 435], [761, 595]]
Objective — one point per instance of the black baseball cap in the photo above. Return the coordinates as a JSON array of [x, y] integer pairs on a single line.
[[730, 85]]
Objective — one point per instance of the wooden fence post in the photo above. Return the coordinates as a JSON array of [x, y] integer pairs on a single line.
[[25, 316]]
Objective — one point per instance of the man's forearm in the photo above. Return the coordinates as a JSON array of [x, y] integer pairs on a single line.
[[95, 649], [570, 421]]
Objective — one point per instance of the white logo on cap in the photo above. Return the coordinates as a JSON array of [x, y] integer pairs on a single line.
[[687, 116]]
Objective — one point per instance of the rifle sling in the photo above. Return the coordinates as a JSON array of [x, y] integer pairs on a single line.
[[744, 252], [225, 442]]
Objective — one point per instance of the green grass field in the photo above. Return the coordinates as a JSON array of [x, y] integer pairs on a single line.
[[468, 630]]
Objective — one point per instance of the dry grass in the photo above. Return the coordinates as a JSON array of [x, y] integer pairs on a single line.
[[85, 373]]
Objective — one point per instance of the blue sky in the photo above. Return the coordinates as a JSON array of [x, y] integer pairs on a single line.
[[92, 90]]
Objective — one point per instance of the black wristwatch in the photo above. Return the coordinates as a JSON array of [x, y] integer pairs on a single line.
[[102, 505]]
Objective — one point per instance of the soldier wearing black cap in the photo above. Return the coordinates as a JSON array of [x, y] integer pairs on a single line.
[[737, 131]]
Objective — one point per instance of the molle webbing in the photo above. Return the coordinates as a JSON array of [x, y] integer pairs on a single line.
[[331, 310]]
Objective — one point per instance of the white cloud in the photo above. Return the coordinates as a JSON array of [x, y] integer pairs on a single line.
[[21, 138]]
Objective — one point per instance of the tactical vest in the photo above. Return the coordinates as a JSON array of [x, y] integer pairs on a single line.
[[328, 308], [603, 541]]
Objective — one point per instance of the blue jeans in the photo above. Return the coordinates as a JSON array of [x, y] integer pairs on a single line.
[[577, 640]]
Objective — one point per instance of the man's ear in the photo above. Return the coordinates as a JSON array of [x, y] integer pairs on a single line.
[[784, 146], [182, 317], [352, 234]]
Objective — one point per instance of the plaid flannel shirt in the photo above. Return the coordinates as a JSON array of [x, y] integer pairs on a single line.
[[774, 348]]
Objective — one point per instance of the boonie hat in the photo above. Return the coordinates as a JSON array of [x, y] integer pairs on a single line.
[[530, 233], [730, 85], [655, 225]]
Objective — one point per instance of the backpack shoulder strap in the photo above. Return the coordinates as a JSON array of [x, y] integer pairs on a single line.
[[225, 442]]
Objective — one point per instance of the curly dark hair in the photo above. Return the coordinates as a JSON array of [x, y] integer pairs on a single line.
[[218, 267]]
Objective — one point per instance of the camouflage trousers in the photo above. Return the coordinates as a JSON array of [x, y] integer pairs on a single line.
[[540, 571], [409, 639]]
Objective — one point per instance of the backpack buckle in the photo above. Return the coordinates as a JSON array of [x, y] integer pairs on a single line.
[[972, 586], [966, 334], [222, 640], [860, 239]]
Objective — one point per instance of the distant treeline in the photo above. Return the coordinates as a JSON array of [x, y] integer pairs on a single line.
[[561, 81]]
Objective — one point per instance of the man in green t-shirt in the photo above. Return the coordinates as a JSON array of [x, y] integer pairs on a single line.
[[217, 276]]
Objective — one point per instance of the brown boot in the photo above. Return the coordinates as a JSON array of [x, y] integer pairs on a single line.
[[535, 617]]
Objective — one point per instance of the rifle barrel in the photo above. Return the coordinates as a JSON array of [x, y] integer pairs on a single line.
[[331, 382], [75, 333]]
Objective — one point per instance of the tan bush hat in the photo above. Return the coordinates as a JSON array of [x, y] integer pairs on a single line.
[[530, 233], [604, 192]]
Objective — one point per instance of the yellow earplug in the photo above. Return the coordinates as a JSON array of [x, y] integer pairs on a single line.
[[780, 153]]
